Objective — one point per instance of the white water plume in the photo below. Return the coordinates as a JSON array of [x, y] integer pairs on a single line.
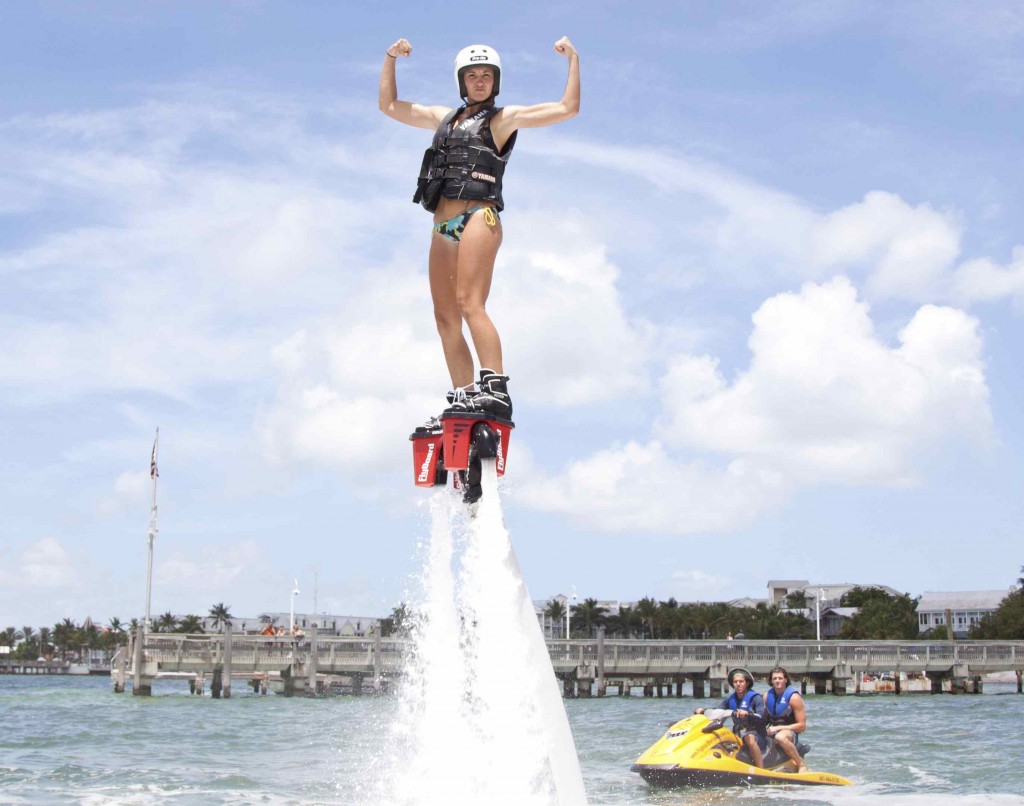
[[480, 719]]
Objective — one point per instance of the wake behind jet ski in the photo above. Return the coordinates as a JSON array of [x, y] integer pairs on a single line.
[[701, 751]]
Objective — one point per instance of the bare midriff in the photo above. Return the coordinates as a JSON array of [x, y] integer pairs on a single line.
[[449, 208]]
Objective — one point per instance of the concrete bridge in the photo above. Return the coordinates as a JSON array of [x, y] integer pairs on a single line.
[[585, 667]]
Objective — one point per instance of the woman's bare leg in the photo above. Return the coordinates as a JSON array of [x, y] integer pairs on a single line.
[[476, 255], [444, 268]]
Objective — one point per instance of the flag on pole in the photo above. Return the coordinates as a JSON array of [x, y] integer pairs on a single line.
[[153, 472]]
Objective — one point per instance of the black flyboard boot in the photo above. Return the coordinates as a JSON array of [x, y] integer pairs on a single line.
[[493, 397]]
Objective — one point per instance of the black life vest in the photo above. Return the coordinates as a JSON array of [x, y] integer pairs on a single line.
[[463, 162], [778, 709]]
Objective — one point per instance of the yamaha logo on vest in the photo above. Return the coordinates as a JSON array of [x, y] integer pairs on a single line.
[[484, 177]]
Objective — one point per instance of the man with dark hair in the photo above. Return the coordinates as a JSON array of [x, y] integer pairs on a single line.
[[747, 708]]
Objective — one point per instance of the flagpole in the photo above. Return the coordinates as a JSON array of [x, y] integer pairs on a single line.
[[154, 475]]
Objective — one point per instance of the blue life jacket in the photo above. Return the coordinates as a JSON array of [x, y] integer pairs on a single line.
[[750, 702], [780, 712]]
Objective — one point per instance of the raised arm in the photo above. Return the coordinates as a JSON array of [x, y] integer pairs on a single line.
[[532, 117], [422, 117]]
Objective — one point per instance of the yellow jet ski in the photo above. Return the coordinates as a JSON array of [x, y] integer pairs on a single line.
[[700, 751]]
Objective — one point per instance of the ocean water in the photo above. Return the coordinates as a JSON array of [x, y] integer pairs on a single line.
[[71, 740], [478, 721]]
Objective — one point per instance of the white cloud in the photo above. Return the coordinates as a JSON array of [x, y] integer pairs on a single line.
[[210, 568], [41, 566], [639, 488], [983, 280], [350, 392], [280, 270], [824, 400], [902, 251], [130, 490], [910, 249]]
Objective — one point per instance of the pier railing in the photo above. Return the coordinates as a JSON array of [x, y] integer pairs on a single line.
[[798, 657], [168, 653]]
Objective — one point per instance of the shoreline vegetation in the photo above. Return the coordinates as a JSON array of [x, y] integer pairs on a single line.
[[879, 616]]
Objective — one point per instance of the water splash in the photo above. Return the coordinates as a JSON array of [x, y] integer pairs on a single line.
[[480, 716]]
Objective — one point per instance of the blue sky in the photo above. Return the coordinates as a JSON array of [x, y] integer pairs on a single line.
[[761, 302]]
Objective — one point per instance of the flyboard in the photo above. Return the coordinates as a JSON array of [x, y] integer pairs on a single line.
[[456, 446]]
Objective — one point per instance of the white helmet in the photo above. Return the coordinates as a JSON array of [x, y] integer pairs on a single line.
[[471, 57]]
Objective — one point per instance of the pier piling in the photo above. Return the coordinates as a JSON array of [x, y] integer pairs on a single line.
[[226, 690]]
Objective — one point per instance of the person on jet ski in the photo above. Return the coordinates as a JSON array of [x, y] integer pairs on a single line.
[[786, 715], [748, 714]]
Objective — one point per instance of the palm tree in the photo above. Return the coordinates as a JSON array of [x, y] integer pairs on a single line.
[[166, 623], [44, 641], [797, 600], [627, 622], [88, 637], [64, 637], [221, 615], [647, 609], [117, 629], [588, 615], [8, 637], [28, 636], [556, 612], [191, 625]]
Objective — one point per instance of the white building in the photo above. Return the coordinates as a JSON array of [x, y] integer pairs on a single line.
[[326, 624], [961, 609], [829, 592]]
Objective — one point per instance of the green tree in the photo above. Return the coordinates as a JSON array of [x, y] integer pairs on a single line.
[[556, 612], [87, 637], [712, 620], [191, 625], [880, 615], [626, 623], [27, 650], [221, 615], [166, 623], [9, 637], [44, 641], [647, 609], [64, 635], [398, 623], [587, 616], [117, 630], [796, 599], [1007, 621]]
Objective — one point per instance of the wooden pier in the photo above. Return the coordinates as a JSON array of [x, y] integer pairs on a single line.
[[315, 665]]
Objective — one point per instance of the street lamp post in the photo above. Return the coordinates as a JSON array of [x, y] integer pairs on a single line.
[[817, 619], [291, 614]]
